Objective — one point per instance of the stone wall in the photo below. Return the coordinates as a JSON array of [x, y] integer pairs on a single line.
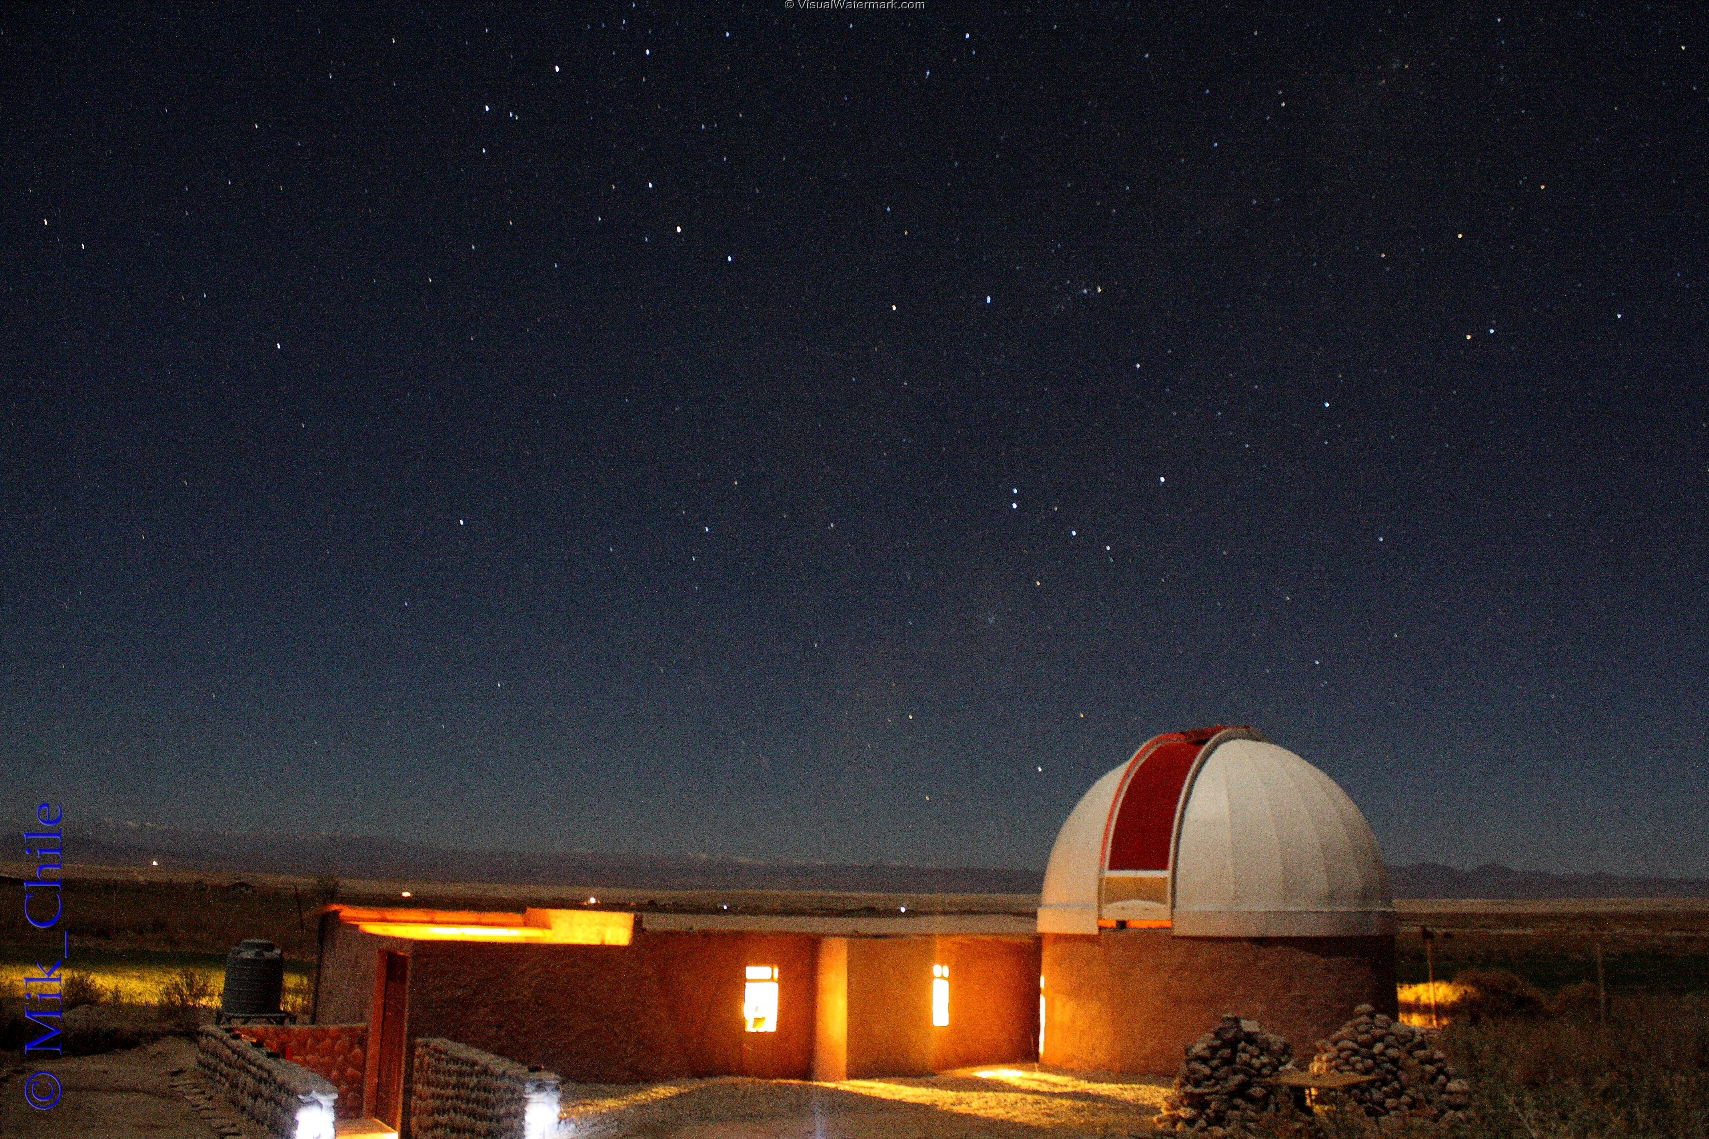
[[275, 1098], [337, 1052], [460, 1092]]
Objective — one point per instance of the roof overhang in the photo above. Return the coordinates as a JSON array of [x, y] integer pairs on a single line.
[[530, 927]]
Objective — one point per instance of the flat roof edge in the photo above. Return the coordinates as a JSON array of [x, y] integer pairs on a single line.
[[884, 925]]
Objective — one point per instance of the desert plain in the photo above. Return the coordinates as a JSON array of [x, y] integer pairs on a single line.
[[1573, 1016]]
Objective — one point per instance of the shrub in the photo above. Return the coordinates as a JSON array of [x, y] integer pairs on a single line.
[[1575, 999], [78, 989], [1496, 992], [1645, 1073], [296, 999], [1642, 1074], [183, 997]]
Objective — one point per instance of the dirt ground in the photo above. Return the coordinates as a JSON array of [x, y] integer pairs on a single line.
[[128, 1095], [119, 1095], [1005, 1103]]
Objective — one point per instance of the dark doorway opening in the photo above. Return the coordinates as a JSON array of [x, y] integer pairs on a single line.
[[389, 1038]]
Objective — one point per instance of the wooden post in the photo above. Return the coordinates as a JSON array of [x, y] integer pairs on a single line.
[[1601, 988], [1430, 969]]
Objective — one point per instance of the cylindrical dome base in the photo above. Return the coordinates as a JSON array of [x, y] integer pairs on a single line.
[[1131, 1000]]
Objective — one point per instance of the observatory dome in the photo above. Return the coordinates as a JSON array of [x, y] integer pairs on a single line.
[[1217, 833]]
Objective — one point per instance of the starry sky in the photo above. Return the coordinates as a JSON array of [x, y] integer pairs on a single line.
[[843, 435]]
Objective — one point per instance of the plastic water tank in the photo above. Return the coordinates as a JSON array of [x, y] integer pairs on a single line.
[[254, 979]]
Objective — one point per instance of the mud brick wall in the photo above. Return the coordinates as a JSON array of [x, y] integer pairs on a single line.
[[1132, 1000], [337, 1052], [276, 1098], [463, 1093], [993, 1002], [667, 1005]]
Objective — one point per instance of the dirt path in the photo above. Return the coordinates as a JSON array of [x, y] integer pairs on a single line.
[[120, 1095], [129, 1095], [1003, 1104]]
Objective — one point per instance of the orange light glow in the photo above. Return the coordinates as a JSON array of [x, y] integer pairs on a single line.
[[533, 927], [760, 998], [1111, 923], [418, 931], [1431, 1005]]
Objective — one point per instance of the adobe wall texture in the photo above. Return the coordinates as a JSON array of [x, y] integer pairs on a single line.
[[346, 975], [1131, 1000], [669, 1004], [993, 1002], [890, 1006], [831, 1011]]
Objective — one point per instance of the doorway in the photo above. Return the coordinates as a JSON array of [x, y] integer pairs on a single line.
[[388, 1037]]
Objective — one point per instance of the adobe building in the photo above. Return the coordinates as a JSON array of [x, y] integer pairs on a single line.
[[606, 996], [1213, 872]]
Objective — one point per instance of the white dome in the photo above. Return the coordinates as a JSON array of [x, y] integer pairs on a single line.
[[1218, 833]]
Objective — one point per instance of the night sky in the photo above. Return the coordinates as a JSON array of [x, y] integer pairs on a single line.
[[844, 435]]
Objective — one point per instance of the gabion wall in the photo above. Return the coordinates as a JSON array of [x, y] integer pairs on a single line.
[[276, 1098], [463, 1093], [336, 1051]]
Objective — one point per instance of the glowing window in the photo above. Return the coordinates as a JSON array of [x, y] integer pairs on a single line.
[[759, 1000], [940, 996], [1041, 1016]]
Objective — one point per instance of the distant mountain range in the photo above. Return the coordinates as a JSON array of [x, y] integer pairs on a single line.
[[117, 843], [357, 856], [1433, 880]]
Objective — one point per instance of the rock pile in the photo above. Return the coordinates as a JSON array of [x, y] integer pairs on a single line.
[[1412, 1077], [1223, 1085]]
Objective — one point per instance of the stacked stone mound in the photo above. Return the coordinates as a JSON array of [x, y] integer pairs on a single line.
[[1224, 1084], [1413, 1078]]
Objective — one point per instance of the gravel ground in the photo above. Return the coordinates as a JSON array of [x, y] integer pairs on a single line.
[[1013, 1104], [129, 1095], [119, 1095]]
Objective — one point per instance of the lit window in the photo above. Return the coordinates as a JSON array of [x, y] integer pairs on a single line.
[[759, 1000], [1041, 1016], [940, 996]]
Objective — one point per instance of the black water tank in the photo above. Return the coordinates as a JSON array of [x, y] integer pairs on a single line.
[[254, 979]]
